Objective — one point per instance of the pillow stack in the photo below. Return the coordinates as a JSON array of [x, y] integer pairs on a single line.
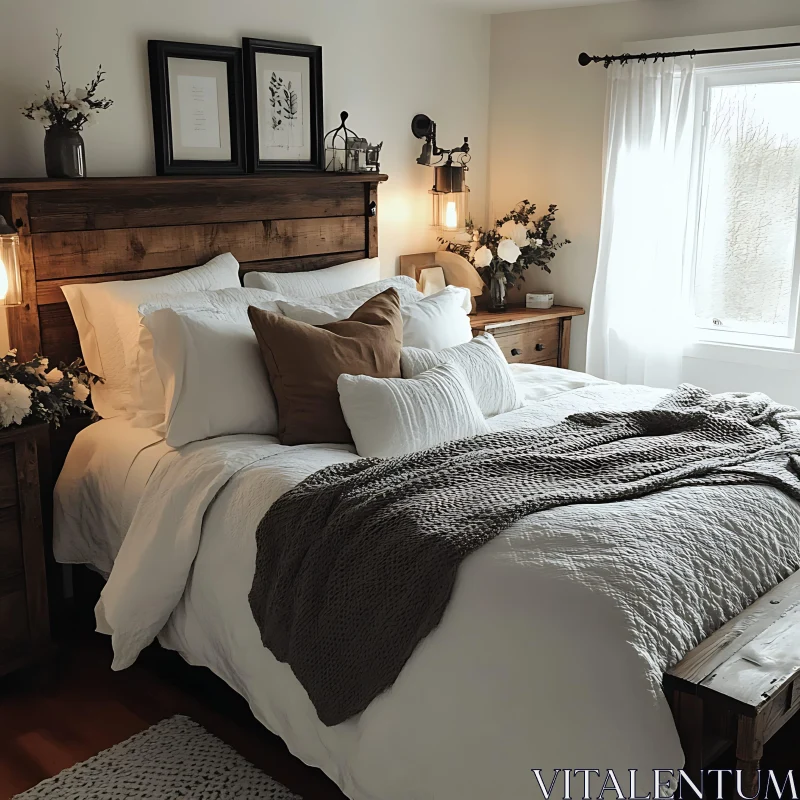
[[332, 356]]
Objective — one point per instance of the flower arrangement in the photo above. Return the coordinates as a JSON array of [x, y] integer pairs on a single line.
[[65, 108], [517, 242], [34, 390]]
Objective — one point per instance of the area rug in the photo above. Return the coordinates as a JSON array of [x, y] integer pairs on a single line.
[[176, 759]]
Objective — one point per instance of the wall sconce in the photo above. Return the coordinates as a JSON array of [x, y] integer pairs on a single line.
[[450, 193], [10, 281]]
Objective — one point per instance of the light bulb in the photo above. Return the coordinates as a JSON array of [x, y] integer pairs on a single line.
[[3, 280], [451, 215]]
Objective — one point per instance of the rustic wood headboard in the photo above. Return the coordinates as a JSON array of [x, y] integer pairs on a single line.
[[101, 229]]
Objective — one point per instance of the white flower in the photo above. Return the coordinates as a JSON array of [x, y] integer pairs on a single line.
[[80, 93], [84, 108], [80, 390], [515, 231], [537, 242], [54, 376], [15, 402], [462, 238], [45, 389], [483, 257], [72, 114], [508, 251]]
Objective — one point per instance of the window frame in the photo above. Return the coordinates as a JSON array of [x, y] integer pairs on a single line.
[[708, 78]]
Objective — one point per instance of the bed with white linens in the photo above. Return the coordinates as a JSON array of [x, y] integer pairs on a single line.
[[551, 651]]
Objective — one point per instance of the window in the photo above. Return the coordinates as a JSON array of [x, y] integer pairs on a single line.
[[744, 282]]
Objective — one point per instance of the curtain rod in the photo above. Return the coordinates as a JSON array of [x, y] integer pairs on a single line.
[[584, 59]]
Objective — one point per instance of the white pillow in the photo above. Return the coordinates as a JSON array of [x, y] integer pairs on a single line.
[[338, 306], [317, 282], [148, 401], [484, 365], [437, 321], [106, 317], [394, 416], [213, 376]]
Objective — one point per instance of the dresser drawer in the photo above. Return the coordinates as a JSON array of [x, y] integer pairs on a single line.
[[529, 344]]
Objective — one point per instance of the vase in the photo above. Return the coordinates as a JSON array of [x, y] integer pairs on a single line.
[[497, 294], [64, 153]]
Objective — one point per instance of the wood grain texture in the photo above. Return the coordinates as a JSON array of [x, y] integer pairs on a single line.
[[24, 617], [212, 202], [101, 229], [49, 292], [530, 343], [153, 183], [371, 191], [525, 335], [698, 667], [514, 315], [23, 321], [80, 253]]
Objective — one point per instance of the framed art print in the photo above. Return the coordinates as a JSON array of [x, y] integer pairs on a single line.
[[283, 85], [198, 108]]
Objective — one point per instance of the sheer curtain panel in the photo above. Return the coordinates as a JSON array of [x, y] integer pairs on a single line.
[[638, 317]]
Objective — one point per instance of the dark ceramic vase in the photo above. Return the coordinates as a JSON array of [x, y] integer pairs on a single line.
[[497, 294], [64, 153]]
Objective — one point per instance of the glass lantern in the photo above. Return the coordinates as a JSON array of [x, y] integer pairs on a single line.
[[10, 280], [450, 195], [345, 151]]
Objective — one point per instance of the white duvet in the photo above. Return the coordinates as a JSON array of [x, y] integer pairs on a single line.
[[548, 656]]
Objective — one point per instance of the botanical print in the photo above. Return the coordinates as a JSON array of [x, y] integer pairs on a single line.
[[283, 110]]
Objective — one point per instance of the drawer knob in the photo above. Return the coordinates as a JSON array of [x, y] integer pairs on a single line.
[[540, 347], [515, 351]]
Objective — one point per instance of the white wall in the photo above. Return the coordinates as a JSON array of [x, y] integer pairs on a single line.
[[547, 122], [383, 62]]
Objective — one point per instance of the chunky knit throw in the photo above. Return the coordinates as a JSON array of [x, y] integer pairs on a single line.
[[356, 564]]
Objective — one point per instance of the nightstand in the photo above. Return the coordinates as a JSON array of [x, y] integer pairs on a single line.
[[24, 616], [530, 335]]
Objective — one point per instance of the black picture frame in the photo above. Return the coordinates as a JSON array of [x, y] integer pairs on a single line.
[[255, 163], [158, 54]]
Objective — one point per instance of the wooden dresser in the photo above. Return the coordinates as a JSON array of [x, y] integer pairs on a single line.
[[24, 618], [530, 335]]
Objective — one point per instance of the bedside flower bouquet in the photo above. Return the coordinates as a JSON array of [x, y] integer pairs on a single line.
[[504, 253], [33, 390]]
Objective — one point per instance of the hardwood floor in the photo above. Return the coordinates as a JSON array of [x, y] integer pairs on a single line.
[[79, 707]]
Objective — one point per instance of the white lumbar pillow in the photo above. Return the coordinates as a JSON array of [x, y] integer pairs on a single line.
[[148, 403], [107, 319], [438, 321], [394, 416], [334, 307], [484, 365], [213, 376], [318, 282]]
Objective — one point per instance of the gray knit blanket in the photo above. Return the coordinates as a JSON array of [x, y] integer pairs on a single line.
[[356, 564]]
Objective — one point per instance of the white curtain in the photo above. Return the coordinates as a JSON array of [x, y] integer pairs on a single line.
[[637, 319]]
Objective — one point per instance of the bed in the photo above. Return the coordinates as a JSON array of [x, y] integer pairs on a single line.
[[545, 658]]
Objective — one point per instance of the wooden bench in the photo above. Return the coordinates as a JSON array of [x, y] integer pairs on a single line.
[[741, 685]]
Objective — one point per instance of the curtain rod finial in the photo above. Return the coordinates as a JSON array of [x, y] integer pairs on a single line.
[[584, 59]]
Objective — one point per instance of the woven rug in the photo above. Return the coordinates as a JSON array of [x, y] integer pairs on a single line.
[[177, 759]]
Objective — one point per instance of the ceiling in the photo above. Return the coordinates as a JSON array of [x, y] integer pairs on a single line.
[[503, 6]]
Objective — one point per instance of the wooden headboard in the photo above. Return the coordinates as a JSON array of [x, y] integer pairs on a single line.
[[101, 229]]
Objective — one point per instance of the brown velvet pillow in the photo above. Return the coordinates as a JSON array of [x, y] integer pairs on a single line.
[[304, 362]]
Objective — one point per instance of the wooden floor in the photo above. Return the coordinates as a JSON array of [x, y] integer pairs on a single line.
[[52, 721], [78, 707]]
